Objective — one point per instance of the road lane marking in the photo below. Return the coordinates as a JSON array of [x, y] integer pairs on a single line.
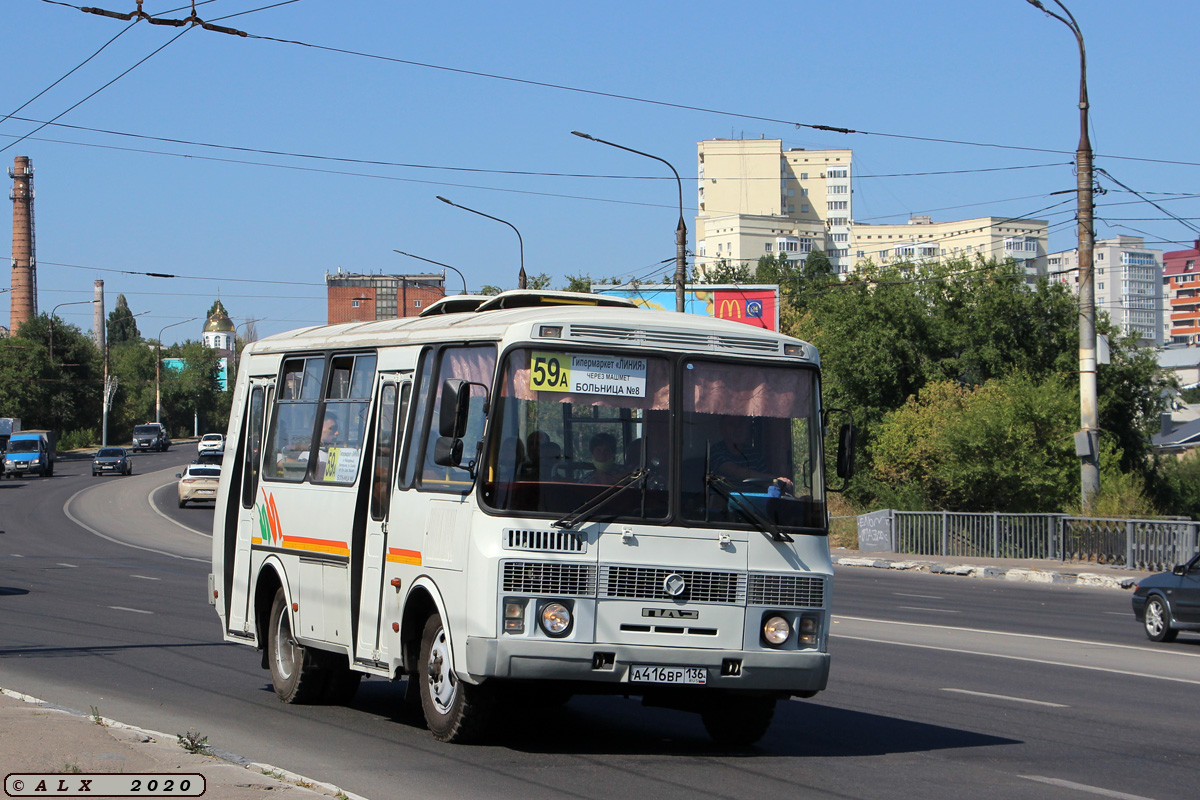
[[131, 610], [1083, 787], [68, 566], [923, 608], [1007, 697], [106, 537], [1027, 659], [155, 509], [1085, 642], [1119, 613], [922, 596], [145, 578]]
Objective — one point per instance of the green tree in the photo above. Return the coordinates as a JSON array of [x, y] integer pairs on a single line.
[[539, 281], [490, 290], [122, 327], [578, 283], [192, 392], [59, 390], [721, 272]]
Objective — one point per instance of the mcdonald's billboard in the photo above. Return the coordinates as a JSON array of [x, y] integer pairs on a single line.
[[750, 305]]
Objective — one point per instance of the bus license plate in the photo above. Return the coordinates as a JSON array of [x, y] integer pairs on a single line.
[[687, 675]]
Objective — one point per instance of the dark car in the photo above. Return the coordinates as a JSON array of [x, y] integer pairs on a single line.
[[151, 436], [112, 460], [1169, 602]]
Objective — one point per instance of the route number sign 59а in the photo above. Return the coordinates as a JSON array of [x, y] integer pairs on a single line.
[[588, 374]]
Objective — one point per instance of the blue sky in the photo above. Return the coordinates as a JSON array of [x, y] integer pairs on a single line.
[[261, 230]]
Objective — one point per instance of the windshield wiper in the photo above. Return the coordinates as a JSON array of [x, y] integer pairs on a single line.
[[585, 511], [743, 505]]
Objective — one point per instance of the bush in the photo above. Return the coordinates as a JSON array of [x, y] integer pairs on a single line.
[[78, 440]]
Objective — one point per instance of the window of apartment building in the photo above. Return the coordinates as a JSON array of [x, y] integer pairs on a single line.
[[860, 254], [838, 252], [416, 303], [839, 173], [837, 221], [354, 303], [767, 247], [840, 237], [1100, 286], [803, 209], [803, 176], [788, 245], [836, 205], [837, 188], [1138, 259], [803, 192], [1099, 256]]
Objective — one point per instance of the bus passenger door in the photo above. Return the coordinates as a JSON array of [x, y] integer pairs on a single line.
[[251, 515], [393, 404]]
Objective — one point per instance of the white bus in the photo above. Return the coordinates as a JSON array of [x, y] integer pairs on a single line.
[[518, 498]]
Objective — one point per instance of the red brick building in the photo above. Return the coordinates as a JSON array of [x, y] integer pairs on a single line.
[[365, 298], [1181, 288]]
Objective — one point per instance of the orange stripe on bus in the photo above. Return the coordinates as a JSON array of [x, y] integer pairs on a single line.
[[397, 556], [332, 548]]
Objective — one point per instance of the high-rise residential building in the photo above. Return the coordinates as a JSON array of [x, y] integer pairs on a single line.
[[365, 298], [1181, 296], [1128, 277], [756, 199]]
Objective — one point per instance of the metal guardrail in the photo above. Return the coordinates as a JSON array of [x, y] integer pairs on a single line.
[[1144, 544]]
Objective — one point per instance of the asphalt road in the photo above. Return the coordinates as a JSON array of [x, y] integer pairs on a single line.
[[941, 687]]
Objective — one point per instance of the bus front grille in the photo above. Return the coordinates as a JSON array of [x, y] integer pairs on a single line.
[[648, 583], [787, 591], [554, 541], [549, 578]]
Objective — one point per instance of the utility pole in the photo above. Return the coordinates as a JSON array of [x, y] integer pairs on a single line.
[[1087, 441]]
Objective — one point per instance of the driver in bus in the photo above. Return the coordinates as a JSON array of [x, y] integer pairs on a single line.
[[606, 469], [735, 457]]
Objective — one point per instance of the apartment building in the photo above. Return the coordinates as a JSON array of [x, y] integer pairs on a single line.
[[1181, 294], [366, 298], [755, 199], [1128, 278], [921, 239]]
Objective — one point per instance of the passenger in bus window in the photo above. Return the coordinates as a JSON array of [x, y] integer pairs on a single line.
[[735, 456], [606, 469], [542, 453]]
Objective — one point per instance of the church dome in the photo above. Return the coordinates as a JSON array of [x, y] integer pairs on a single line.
[[219, 322]]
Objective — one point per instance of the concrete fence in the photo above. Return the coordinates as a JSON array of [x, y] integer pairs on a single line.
[[1144, 544]]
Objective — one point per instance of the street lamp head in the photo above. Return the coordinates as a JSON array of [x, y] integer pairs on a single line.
[[444, 200], [583, 135]]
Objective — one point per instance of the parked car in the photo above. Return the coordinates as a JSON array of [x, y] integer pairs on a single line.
[[211, 457], [1169, 602], [198, 482], [211, 442], [113, 460], [151, 436]]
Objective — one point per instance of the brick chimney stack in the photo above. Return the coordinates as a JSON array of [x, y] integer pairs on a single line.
[[24, 276]]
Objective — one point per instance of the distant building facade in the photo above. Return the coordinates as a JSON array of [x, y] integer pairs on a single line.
[[1128, 278], [1181, 296], [366, 298], [757, 199]]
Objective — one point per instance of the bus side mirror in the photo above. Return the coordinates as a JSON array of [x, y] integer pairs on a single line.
[[447, 451], [456, 402], [845, 452]]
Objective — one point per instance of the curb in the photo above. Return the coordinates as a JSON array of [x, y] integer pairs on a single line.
[[1018, 574]]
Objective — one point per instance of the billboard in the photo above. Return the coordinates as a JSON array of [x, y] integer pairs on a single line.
[[756, 305]]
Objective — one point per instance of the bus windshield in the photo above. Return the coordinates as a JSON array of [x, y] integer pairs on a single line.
[[745, 451]]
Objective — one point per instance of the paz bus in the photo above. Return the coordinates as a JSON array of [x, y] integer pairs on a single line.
[[518, 498]]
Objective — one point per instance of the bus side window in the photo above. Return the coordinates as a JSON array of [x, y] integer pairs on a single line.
[[477, 365], [386, 447], [290, 437]]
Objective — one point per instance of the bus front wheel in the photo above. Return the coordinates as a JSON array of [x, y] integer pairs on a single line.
[[295, 670], [737, 720], [455, 711]]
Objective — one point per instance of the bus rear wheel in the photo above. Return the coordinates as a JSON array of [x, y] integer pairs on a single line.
[[295, 670], [455, 711]]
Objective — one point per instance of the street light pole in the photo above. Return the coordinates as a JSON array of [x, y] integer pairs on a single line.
[[110, 390], [158, 369], [56, 308], [440, 264], [680, 228], [1087, 444], [521, 280]]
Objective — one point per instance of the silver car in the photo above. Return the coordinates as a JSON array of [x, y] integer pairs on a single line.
[[199, 482], [112, 461]]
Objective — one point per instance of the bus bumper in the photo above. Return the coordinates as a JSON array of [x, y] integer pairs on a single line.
[[799, 672]]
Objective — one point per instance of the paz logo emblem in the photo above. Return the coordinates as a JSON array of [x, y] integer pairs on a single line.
[[674, 584]]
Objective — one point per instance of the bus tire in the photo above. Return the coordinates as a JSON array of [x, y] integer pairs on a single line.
[[737, 720], [295, 670], [455, 711]]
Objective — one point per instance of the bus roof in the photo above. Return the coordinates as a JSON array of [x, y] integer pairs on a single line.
[[602, 322]]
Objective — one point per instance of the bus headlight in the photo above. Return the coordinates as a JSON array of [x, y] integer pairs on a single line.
[[555, 619], [776, 630]]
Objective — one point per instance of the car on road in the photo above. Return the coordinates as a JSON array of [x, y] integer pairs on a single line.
[[1169, 602], [210, 457], [113, 461], [211, 442], [198, 482], [151, 436]]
